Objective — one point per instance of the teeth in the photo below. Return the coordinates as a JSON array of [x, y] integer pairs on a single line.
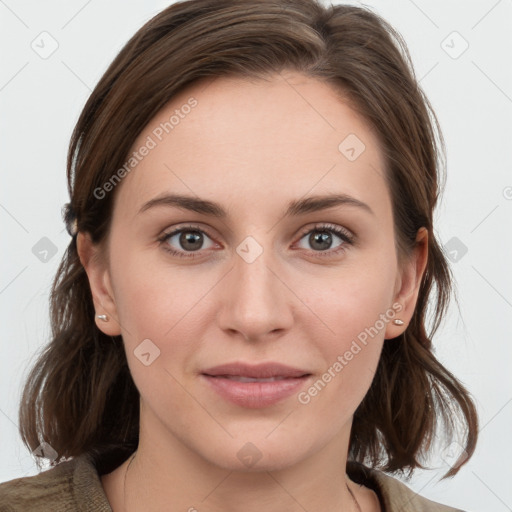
[[251, 379]]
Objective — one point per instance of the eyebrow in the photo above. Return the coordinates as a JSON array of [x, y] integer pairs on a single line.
[[295, 208]]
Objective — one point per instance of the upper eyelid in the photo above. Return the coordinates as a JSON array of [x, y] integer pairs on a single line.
[[176, 230], [327, 226]]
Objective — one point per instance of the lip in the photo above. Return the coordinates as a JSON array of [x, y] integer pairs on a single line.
[[259, 371], [255, 394]]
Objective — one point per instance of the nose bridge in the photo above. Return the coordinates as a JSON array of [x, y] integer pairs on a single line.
[[255, 300]]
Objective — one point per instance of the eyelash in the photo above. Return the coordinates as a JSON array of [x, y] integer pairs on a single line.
[[342, 233]]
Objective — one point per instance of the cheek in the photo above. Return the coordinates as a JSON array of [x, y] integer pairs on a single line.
[[155, 299], [350, 360], [162, 313], [352, 313], [354, 303]]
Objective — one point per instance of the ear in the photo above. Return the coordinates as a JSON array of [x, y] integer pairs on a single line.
[[96, 267], [408, 284]]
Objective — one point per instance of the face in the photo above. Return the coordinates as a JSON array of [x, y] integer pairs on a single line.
[[311, 287]]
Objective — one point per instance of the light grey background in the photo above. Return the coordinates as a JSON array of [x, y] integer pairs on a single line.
[[471, 92]]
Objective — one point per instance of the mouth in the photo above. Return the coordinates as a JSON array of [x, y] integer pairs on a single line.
[[270, 370], [241, 378], [255, 386]]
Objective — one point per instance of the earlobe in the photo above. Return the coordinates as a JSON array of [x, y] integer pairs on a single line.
[[409, 282], [98, 274]]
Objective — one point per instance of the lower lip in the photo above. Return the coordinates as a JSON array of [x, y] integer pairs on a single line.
[[255, 395]]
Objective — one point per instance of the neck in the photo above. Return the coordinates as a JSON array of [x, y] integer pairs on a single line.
[[169, 476]]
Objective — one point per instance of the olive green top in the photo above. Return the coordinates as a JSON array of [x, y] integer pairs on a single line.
[[74, 485]]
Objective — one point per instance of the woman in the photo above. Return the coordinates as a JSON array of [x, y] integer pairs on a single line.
[[281, 362]]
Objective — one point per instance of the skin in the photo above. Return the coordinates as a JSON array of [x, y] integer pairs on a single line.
[[252, 146]]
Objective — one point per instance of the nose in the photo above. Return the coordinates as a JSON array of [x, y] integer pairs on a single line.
[[256, 302]]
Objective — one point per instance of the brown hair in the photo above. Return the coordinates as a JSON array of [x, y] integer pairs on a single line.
[[79, 396]]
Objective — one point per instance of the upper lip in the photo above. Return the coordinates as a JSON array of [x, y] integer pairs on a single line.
[[260, 371]]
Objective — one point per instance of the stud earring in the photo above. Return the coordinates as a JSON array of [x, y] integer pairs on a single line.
[[102, 317], [397, 321]]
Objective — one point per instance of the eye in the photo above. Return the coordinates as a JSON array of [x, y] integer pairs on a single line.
[[320, 238], [190, 239]]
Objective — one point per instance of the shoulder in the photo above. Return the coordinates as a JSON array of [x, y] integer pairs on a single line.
[[70, 485], [393, 494]]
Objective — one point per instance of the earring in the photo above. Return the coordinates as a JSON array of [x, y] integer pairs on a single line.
[[397, 321], [102, 317]]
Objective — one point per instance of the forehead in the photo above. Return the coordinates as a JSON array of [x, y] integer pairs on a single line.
[[256, 142]]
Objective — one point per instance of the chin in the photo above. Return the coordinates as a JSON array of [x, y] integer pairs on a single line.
[[257, 456]]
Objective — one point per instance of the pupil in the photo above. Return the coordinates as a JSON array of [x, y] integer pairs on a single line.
[[323, 238], [191, 237]]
